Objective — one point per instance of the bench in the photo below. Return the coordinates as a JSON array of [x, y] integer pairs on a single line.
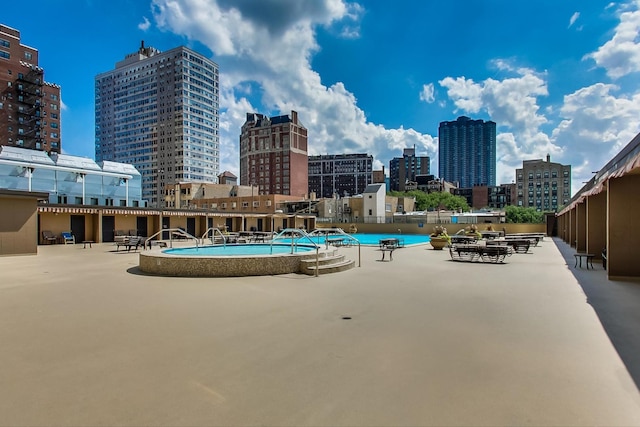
[[588, 259], [388, 248], [131, 242], [520, 246], [336, 242], [480, 253], [87, 242]]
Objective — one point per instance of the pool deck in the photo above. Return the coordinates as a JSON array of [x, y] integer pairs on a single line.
[[89, 340]]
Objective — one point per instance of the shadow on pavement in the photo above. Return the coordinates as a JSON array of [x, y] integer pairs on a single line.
[[617, 304]]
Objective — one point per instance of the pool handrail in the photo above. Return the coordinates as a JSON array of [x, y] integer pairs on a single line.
[[303, 234], [337, 230], [171, 231], [214, 229]]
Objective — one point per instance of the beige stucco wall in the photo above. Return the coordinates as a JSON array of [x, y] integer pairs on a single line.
[[18, 226], [623, 208], [597, 224]]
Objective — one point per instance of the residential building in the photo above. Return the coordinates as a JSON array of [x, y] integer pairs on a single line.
[[374, 203], [379, 176], [431, 184], [487, 196], [227, 177], [273, 154], [159, 112], [405, 169], [543, 185], [29, 106], [340, 174], [467, 152], [191, 194]]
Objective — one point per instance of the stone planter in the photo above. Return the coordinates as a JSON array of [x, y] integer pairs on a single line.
[[438, 243]]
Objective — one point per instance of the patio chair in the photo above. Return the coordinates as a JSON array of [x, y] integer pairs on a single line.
[[68, 238], [48, 237]]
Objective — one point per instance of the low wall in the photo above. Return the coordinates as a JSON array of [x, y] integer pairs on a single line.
[[161, 264]]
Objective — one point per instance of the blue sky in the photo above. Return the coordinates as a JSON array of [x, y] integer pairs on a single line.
[[558, 77]]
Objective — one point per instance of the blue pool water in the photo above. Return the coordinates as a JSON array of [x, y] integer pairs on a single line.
[[373, 239], [241, 249]]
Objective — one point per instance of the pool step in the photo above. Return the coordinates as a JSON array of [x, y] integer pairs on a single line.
[[329, 264]]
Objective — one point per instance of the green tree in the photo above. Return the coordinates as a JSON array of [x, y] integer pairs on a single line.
[[433, 201], [523, 215]]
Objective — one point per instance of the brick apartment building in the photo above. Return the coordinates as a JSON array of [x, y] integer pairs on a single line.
[[29, 106], [273, 154]]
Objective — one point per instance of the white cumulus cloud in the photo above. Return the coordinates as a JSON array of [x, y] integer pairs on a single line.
[[243, 38], [621, 54]]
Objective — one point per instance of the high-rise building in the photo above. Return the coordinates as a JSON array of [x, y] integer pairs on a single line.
[[29, 106], [405, 169], [341, 174], [273, 154], [467, 152], [543, 185], [159, 112]]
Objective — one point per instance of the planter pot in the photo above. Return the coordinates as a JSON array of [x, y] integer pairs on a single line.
[[438, 243]]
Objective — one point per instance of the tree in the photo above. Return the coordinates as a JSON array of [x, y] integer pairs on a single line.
[[522, 215], [433, 201]]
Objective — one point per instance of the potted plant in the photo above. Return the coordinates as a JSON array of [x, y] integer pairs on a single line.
[[439, 238], [472, 230]]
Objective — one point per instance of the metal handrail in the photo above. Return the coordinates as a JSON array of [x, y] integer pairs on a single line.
[[214, 229], [294, 243], [340, 231], [171, 231]]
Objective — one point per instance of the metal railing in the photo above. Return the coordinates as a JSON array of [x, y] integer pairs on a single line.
[[213, 234], [290, 232], [339, 231], [171, 232]]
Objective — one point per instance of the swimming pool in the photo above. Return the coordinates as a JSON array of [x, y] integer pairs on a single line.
[[240, 249], [373, 239]]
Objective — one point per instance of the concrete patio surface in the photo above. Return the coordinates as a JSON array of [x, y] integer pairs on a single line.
[[421, 340]]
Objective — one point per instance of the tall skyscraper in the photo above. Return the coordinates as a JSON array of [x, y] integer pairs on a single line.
[[273, 154], [341, 174], [405, 169], [159, 112], [543, 185], [29, 106], [467, 152]]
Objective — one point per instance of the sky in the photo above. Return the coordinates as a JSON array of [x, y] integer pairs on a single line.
[[372, 76]]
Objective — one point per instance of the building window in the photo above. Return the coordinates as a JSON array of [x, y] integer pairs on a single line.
[[4, 54], [4, 43], [28, 56]]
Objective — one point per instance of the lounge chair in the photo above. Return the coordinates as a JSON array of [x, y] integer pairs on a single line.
[[131, 242], [68, 238], [48, 237]]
